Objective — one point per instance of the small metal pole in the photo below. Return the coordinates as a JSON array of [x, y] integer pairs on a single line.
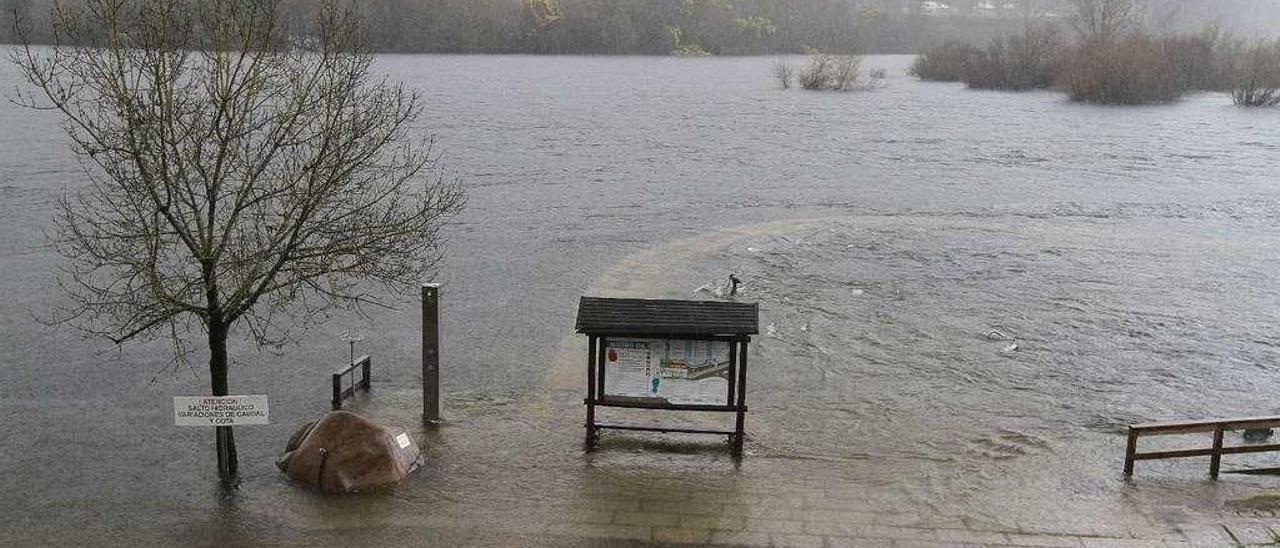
[[1130, 451], [368, 370], [337, 391], [431, 352], [1215, 461]]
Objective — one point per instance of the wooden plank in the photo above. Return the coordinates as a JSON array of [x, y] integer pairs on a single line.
[[1255, 471], [1182, 427], [1131, 449], [663, 429], [605, 402], [592, 344], [359, 363], [1179, 453], [732, 396], [1243, 449], [1208, 451], [739, 423]]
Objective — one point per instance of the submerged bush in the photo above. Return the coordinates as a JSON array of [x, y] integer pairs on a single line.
[[1020, 62], [830, 72], [1134, 70], [946, 63], [1114, 68], [1254, 74], [783, 72]]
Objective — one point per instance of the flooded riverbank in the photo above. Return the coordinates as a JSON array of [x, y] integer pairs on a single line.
[[1128, 253]]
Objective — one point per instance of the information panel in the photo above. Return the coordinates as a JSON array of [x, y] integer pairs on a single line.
[[667, 371], [220, 410]]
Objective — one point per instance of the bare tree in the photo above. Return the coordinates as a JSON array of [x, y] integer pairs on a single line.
[[239, 174], [1104, 20]]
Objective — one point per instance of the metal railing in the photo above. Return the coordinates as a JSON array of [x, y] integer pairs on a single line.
[[1217, 427], [343, 390]]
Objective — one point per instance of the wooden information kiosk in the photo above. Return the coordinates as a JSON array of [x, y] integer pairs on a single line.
[[668, 355]]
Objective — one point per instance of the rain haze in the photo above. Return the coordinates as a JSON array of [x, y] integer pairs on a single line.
[[614, 273]]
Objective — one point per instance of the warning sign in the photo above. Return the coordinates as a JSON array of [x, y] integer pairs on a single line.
[[220, 410]]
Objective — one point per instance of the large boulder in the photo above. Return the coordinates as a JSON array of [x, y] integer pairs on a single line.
[[344, 452]]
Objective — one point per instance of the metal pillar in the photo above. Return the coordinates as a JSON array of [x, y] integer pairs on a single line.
[[431, 352]]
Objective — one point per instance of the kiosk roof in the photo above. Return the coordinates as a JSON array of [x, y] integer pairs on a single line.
[[666, 317]]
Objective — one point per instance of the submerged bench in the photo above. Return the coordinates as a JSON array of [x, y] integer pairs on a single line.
[[1217, 427]]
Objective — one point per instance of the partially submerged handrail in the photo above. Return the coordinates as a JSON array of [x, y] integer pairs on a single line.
[[341, 391], [1217, 426]]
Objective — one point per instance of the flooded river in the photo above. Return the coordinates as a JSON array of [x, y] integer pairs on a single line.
[[965, 296]]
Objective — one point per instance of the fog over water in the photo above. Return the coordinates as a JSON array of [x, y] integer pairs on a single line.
[[899, 240]]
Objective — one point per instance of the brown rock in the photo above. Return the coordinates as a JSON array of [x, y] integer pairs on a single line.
[[344, 452]]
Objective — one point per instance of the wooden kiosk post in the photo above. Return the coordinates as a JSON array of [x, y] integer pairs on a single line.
[[667, 355]]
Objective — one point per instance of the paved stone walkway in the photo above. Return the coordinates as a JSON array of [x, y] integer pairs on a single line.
[[673, 523], [622, 496]]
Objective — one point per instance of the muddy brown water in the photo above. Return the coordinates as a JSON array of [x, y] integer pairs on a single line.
[[899, 240]]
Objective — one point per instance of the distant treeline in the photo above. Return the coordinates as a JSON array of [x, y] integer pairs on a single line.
[[661, 27], [655, 27]]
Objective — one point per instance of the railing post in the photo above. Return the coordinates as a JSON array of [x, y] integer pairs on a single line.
[[337, 391], [1215, 461], [431, 352], [367, 370], [1129, 452]]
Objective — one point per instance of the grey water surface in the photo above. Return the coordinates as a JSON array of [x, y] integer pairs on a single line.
[[965, 297]]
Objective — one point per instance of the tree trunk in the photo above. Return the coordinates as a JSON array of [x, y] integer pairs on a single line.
[[226, 442]]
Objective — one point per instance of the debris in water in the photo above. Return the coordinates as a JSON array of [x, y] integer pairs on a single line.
[[857, 292], [771, 331], [996, 335], [1257, 434], [1013, 347]]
